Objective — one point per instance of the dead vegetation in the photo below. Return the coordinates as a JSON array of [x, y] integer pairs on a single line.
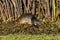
[[46, 11]]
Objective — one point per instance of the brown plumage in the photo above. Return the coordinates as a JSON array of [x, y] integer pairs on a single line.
[[28, 19]]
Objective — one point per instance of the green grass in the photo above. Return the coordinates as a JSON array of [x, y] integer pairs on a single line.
[[30, 37], [21, 36]]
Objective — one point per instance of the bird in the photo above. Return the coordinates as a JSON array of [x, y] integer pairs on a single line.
[[28, 19]]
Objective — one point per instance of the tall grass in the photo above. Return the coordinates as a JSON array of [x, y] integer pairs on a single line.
[[13, 10], [54, 10]]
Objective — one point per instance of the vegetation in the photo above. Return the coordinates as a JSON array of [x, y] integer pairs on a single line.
[[46, 11], [30, 37]]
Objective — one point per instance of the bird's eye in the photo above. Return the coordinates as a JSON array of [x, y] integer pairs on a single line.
[[35, 24]]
